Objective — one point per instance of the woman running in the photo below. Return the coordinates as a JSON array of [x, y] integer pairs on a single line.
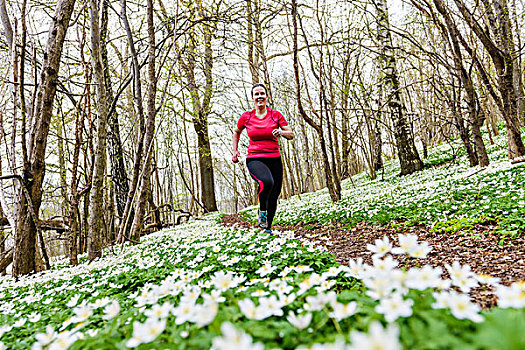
[[264, 126]]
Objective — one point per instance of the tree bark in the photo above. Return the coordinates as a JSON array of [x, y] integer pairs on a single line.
[[500, 50], [96, 225], [335, 195], [33, 173], [140, 208], [476, 115], [201, 109], [406, 149], [115, 150]]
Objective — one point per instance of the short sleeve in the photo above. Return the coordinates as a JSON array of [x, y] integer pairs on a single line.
[[281, 121], [241, 123]]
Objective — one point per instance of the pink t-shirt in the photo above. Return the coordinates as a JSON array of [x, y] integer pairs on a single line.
[[262, 141]]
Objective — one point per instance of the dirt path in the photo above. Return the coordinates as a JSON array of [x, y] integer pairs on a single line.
[[479, 249]]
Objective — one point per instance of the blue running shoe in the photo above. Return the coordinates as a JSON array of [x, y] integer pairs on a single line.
[[268, 231], [263, 219]]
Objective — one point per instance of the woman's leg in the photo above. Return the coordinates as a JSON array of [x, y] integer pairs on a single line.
[[276, 167], [262, 174]]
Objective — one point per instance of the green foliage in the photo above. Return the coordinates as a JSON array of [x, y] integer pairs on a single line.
[[457, 225], [502, 329], [448, 195]]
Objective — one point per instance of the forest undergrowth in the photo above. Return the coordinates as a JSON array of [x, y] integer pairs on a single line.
[[204, 285]]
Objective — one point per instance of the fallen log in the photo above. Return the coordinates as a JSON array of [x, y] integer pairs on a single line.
[[6, 260]]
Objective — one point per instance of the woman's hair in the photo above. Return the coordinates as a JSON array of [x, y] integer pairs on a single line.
[[259, 85]]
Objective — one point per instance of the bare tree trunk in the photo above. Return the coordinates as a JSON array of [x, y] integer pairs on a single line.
[[335, 195], [116, 153], [501, 53], [476, 116], [140, 208], [309, 186], [201, 109], [406, 149], [137, 98], [96, 196], [33, 172], [252, 57]]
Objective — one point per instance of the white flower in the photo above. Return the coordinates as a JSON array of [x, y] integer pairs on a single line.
[[381, 286], [332, 271], [259, 293], [465, 284], [233, 339], [63, 340], [214, 296], [420, 251], [406, 244], [394, 307], [44, 339], [183, 312], [34, 317], [159, 311], [205, 313], [248, 308], [385, 265], [287, 299], [426, 277], [82, 313], [100, 303], [462, 308], [223, 281], [146, 332], [342, 311], [299, 321], [20, 322], [487, 279], [271, 305], [355, 268], [511, 297], [5, 329], [457, 271], [266, 269], [381, 247], [313, 280], [302, 268], [377, 338], [317, 303], [111, 310]]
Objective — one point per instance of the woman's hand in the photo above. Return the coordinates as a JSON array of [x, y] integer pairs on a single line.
[[235, 157], [285, 132]]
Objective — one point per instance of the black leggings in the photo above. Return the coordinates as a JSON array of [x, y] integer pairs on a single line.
[[268, 172]]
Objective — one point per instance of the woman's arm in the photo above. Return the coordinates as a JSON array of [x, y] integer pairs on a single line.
[[285, 132], [236, 137]]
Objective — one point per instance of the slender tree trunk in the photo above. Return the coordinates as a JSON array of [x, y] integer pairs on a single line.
[[501, 53], [116, 153], [476, 116], [201, 109], [145, 185], [335, 195], [406, 149], [137, 98], [96, 225], [33, 172]]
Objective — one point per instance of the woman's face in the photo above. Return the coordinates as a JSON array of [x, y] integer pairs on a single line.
[[259, 97]]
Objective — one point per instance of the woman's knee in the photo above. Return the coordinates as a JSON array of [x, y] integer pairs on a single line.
[[268, 183]]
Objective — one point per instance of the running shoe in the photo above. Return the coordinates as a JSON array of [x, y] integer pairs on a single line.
[[268, 231], [263, 219]]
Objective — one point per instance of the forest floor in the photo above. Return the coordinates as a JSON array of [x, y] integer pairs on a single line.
[[478, 248]]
